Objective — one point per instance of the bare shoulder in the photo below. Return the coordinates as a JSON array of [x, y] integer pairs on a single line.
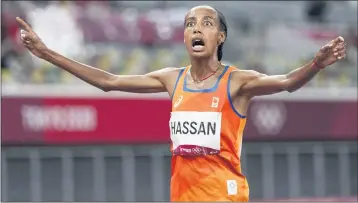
[[168, 77], [172, 71], [165, 75], [244, 76], [165, 72]]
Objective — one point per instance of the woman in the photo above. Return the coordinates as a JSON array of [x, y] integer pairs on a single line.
[[210, 101]]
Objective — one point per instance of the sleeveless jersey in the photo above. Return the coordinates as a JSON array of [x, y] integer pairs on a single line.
[[206, 137]]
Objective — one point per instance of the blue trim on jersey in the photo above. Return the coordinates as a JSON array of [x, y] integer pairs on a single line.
[[230, 100], [176, 82], [212, 89]]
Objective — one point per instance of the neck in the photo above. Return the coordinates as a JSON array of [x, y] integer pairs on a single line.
[[201, 67]]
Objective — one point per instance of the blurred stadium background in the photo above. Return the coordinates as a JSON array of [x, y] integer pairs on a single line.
[[63, 140]]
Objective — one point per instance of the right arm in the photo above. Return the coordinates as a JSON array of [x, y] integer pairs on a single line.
[[148, 83]]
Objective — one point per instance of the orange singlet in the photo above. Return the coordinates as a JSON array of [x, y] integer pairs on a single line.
[[206, 134]]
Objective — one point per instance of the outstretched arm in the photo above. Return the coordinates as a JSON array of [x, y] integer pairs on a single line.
[[149, 83], [259, 84]]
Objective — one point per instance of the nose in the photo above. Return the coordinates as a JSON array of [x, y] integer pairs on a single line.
[[196, 29]]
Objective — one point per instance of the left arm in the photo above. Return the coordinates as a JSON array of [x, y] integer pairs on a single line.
[[259, 84]]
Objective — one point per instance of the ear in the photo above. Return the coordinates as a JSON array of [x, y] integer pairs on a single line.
[[222, 38]]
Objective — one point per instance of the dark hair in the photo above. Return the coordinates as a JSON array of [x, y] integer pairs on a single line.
[[223, 27]]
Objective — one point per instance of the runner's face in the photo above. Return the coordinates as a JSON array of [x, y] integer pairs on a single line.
[[202, 34]]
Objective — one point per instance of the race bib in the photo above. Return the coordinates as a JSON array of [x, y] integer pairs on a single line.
[[195, 133]]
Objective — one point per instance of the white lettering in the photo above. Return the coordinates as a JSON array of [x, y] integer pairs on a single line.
[[185, 150], [59, 118]]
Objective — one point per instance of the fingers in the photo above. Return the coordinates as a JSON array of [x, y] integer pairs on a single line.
[[24, 25], [340, 50], [340, 55], [26, 42], [25, 35], [339, 47], [338, 40], [26, 39], [333, 44], [334, 49]]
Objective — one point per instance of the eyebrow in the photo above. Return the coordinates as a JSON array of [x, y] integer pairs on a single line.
[[194, 18], [208, 17], [190, 18]]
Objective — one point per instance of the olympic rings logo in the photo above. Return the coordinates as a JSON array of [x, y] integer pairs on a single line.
[[197, 150]]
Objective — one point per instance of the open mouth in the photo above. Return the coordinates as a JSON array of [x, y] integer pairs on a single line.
[[198, 44]]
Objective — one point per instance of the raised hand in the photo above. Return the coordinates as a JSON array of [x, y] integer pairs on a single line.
[[332, 52], [30, 39]]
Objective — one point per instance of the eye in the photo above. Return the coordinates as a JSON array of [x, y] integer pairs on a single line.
[[189, 24], [207, 23]]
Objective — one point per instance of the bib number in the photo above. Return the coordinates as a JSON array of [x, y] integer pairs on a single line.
[[195, 133]]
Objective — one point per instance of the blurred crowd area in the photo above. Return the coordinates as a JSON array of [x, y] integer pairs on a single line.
[[125, 37]]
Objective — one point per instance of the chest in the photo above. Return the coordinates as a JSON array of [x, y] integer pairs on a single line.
[[198, 102], [209, 96]]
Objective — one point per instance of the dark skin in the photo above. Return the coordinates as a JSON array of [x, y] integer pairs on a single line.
[[200, 22]]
